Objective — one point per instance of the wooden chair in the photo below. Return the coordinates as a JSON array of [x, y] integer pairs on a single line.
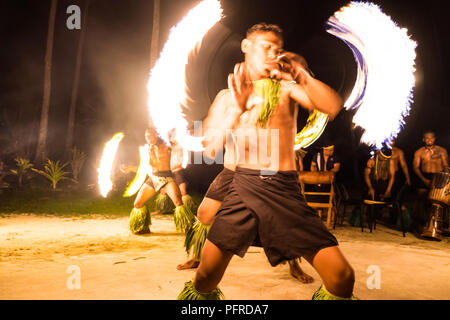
[[395, 205], [320, 177]]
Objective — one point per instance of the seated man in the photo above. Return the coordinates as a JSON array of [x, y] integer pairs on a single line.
[[379, 175], [325, 160], [428, 160]]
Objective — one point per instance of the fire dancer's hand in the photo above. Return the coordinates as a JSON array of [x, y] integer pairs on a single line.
[[386, 195], [240, 85], [293, 67], [427, 182]]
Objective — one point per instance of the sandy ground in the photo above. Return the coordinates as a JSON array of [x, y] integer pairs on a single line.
[[41, 257]]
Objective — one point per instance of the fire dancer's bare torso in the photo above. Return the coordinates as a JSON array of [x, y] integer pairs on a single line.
[[160, 157], [280, 129]]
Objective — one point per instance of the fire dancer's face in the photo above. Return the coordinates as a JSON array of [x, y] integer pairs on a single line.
[[429, 139], [261, 51], [151, 136]]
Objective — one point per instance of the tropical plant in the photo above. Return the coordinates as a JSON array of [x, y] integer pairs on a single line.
[[54, 172], [23, 165], [76, 162]]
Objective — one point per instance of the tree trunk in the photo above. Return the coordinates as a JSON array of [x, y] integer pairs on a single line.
[[154, 46], [76, 80], [41, 150]]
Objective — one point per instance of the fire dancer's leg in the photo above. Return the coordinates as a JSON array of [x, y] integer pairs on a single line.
[[296, 271], [212, 267], [174, 193], [205, 214], [145, 193], [336, 273]]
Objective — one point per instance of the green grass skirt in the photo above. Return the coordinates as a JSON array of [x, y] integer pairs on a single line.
[[323, 294], [189, 202], [190, 293], [196, 238], [140, 220], [183, 218], [162, 203]]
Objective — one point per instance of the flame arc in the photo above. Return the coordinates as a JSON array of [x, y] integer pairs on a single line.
[[166, 85], [385, 57], [143, 170], [106, 164]]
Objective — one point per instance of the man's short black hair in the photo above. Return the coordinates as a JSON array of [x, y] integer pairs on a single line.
[[265, 27], [429, 132]]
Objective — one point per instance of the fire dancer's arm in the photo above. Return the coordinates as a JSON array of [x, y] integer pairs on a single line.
[[220, 118], [306, 90]]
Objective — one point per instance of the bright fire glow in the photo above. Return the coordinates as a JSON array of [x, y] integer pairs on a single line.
[[166, 86], [385, 56], [142, 172], [315, 125], [106, 164]]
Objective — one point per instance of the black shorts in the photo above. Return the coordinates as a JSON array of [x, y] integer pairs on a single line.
[[179, 177], [421, 184], [218, 189], [271, 210]]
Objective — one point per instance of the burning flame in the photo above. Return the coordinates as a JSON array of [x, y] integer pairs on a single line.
[[315, 125], [166, 86], [385, 55], [106, 163], [142, 172]]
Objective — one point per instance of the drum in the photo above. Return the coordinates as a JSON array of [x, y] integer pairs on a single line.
[[434, 227], [440, 188]]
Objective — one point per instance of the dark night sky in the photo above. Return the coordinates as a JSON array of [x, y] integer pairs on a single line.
[[115, 65]]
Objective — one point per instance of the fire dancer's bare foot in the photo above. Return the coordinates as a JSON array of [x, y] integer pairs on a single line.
[[154, 213], [298, 273], [145, 231], [191, 264]]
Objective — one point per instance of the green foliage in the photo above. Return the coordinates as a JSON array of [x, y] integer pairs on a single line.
[[23, 166], [82, 203], [54, 172], [77, 161]]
